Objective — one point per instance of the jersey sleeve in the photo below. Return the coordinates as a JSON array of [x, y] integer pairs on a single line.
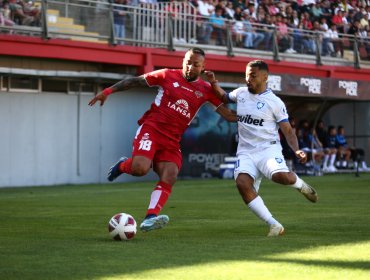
[[280, 111], [214, 100], [155, 78], [232, 96]]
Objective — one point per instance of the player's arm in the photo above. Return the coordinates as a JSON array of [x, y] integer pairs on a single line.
[[219, 92], [120, 86], [227, 113], [292, 140]]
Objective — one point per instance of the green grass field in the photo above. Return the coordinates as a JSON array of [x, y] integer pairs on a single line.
[[61, 232]]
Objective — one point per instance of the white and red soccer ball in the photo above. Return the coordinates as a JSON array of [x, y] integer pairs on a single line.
[[122, 226]]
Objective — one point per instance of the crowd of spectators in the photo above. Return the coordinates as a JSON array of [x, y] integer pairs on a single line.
[[299, 23], [327, 148], [295, 21], [19, 12]]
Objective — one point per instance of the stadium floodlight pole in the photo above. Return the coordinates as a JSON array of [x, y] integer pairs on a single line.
[[356, 53], [318, 49], [275, 46], [170, 46], [44, 19], [229, 41], [112, 37]]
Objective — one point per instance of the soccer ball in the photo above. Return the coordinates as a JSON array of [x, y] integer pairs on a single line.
[[122, 226]]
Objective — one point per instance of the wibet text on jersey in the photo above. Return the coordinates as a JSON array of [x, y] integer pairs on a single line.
[[249, 120]]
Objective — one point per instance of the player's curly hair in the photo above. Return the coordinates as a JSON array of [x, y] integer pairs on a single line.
[[260, 64]]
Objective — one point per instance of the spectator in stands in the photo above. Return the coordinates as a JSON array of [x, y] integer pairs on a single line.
[[323, 24], [330, 152], [251, 12], [252, 38], [119, 15], [330, 146], [5, 14], [327, 11], [31, 10], [222, 5], [285, 40], [238, 30], [366, 42], [205, 10], [238, 15], [346, 152], [354, 28], [309, 143], [229, 10], [364, 22], [260, 14], [308, 40], [17, 13], [330, 41], [239, 3], [337, 19], [268, 31], [219, 26], [316, 11], [273, 10]]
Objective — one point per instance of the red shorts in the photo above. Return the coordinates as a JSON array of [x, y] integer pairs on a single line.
[[150, 143]]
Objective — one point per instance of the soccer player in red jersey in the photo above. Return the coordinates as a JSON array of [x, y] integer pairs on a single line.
[[181, 93]]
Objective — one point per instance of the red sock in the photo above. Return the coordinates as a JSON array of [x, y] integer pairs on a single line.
[[159, 198], [125, 167]]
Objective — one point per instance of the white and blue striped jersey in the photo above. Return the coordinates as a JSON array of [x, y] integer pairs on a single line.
[[258, 119]]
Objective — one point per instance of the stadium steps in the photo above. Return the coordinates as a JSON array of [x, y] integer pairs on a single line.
[[57, 23]]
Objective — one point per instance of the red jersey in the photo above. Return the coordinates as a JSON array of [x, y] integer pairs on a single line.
[[176, 103]]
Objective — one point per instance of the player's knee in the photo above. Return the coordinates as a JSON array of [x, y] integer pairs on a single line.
[[244, 184], [284, 178], [140, 169], [169, 176]]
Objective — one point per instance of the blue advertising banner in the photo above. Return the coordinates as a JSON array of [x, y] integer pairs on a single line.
[[206, 143]]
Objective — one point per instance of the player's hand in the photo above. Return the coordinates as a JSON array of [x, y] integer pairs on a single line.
[[301, 155], [99, 97], [210, 77]]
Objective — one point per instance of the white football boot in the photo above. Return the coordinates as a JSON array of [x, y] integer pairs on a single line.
[[309, 192], [276, 230]]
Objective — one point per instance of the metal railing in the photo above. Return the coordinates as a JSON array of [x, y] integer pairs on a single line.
[[177, 25]]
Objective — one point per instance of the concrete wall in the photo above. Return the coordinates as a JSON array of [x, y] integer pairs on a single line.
[[51, 138]]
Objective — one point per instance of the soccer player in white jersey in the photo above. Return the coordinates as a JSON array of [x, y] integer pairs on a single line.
[[260, 114]]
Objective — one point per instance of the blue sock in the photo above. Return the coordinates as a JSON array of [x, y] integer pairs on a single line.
[[150, 216]]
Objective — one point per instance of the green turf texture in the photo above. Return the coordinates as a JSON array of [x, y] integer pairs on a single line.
[[61, 232]]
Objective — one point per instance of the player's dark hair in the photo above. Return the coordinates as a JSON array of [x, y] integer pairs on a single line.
[[260, 64], [197, 51]]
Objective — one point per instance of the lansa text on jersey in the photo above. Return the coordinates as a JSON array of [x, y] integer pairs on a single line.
[[249, 120]]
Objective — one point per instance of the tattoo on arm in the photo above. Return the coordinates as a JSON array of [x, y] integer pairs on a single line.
[[130, 83]]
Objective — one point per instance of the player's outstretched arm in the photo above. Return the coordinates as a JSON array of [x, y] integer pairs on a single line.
[[120, 86], [227, 113], [220, 93], [292, 141]]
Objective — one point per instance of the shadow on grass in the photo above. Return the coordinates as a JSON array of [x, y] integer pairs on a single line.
[[364, 265]]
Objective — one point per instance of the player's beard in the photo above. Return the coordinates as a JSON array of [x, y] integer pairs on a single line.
[[189, 78], [251, 89]]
